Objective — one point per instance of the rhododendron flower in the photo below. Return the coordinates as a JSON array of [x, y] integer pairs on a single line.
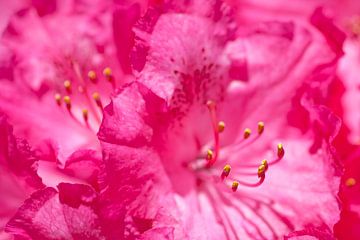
[[61, 75], [202, 145], [200, 108], [68, 67], [55, 80], [343, 97]]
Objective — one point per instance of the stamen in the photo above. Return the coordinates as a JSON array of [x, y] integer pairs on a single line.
[[85, 114], [96, 97], [67, 101], [57, 97], [108, 75], [215, 125], [209, 154], [280, 151], [265, 163], [261, 170], [92, 76], [234, 185], [247, 133], [350, 182], [226, 171], [67, 85], [221, 126], [107, 72], [258, 183], [84, 90], [280, 155], [261, 127]]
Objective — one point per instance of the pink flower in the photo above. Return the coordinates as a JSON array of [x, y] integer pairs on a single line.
[[36, 68], [343, 97], [56, 80], [75, 62], [215, 174], [184, 147]]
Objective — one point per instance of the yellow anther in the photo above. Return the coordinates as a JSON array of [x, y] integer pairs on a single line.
[[209, 154], [226, 171], [96, 96], [265, 163], [67, 101], [221, 126], [85, 114], [261, 127], [108, 74], [350, 182], [57, 97], [261, 170], [235, 186], [280, 150], [92, 76], [247, 133], [67, 85], [211, 104]]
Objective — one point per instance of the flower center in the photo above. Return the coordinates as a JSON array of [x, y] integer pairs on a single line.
[[80, 96], [208, 166]]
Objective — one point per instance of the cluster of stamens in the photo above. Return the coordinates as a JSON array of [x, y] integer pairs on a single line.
[[93, 99], [212, 155]]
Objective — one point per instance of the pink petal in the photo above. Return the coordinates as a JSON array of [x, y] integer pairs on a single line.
[[18, 172], [132, 168], [69, 214]]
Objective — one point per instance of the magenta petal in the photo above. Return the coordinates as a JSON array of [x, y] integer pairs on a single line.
[[334, 36], [122, 125], [123, 20], [16, 155], [75, 195], [163, 233], [18, 172], [132, 167], [85, 164], [69, 214], [187, 65], [311, 232]]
